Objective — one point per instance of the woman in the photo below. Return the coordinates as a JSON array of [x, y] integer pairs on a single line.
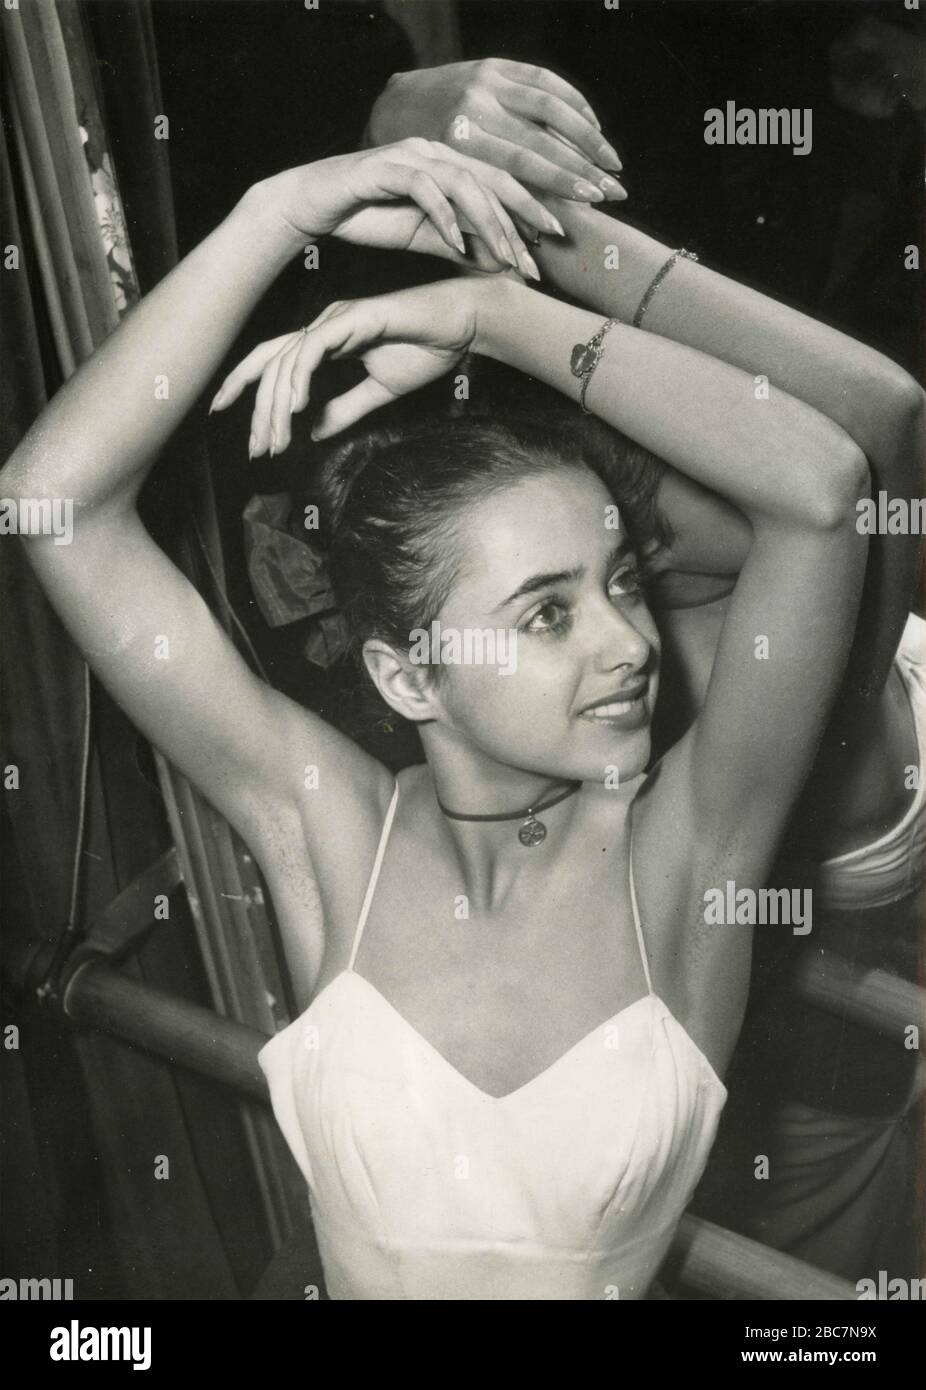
[[507, 1078]]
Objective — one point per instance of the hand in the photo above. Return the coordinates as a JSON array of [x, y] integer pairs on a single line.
[[508, 115], [413, 196], [404, 340]]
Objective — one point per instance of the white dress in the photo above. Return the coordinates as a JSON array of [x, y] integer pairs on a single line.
[[423, 1186]]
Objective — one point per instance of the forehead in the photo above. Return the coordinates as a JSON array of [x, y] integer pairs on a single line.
[[549, 522]]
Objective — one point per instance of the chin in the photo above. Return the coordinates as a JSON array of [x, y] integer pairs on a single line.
[[629, 753]]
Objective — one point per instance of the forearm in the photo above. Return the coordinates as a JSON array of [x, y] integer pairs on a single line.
[[608, 265], [99, 435], [784, 461], [877, 404]]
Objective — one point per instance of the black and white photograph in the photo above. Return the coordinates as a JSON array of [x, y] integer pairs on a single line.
[[463, 743]]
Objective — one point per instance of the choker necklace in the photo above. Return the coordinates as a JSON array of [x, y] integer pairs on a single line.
[[533, 831]]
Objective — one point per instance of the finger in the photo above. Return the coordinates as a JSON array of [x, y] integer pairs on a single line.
[[404, 315], [528, 167], [530, 75], [560, 151], [462, 185], [522, 204], [281, 406], [355, 323], [481, 258], [259, 442], [247, 370], [546, 109], [309, 354], [352, 406], [415, 182], [471, 197], [526, 263]]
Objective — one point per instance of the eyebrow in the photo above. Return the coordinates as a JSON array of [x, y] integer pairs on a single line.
[[536, 582]]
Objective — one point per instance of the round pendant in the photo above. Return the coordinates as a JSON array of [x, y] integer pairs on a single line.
[[532, 832]]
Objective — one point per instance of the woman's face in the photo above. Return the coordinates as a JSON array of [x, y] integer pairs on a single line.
[[547, 566]]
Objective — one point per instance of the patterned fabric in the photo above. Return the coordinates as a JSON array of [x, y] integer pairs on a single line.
[[109, 213], [289, 577]]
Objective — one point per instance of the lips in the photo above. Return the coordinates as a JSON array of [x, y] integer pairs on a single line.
[[624, 708], [622, 698]]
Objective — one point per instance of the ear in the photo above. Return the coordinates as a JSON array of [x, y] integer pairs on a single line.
[[406, 686]]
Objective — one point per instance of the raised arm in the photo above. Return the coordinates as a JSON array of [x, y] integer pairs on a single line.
[[796, 476], [608, 265], [142, 627]]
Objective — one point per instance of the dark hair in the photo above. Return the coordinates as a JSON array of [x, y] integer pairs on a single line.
[[390, 500]]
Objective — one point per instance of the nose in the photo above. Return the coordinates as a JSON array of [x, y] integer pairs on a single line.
[[620, 641]]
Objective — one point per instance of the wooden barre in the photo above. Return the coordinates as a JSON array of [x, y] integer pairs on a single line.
[[876, 999], [723, 1265]]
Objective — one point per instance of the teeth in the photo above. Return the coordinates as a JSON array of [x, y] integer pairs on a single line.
[[610, 711]]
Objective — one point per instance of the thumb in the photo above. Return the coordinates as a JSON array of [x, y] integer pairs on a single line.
[[345, 410]]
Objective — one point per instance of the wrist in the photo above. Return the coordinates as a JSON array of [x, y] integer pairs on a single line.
[[263, 208], [498, 300]]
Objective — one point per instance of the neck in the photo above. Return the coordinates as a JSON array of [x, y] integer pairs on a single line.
[[469, 781], [492, 859]]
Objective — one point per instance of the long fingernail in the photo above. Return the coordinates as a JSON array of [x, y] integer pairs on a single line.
[[456, 237], [593, 118], [585, 190], [508, 254], [554, 225], [273, 443], [217, 400], [610, 159], [612, 189], [252, 446], [529, 265]]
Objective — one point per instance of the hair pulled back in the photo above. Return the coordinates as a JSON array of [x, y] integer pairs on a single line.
[[394, 504]]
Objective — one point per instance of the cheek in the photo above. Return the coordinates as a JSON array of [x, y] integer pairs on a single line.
[[528, 686]]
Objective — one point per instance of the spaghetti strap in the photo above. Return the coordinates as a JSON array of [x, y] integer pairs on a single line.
[[371, 886], [635, 909]]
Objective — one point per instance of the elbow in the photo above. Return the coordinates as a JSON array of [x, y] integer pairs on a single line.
[[843, 480], [901, 395], [891, 402]]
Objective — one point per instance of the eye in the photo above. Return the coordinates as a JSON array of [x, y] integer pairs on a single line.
[[551, 616], [626, 580]]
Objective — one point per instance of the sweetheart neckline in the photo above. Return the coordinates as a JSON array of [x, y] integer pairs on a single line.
[[487, 1096]]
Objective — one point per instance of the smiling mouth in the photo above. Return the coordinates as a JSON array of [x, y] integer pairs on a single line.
[[629, 707]]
